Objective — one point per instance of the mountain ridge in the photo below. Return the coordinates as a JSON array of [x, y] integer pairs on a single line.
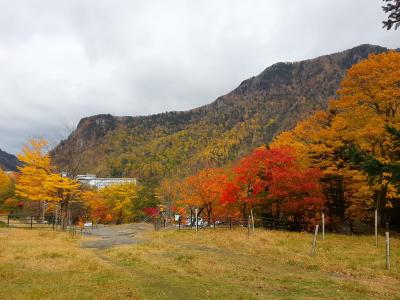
[[180, 142], [8, 162]]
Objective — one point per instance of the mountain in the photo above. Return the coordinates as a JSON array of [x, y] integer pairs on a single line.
[[8, 162], [181, 142]]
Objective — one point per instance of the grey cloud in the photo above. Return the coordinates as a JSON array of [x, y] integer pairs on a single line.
[[67, 59]]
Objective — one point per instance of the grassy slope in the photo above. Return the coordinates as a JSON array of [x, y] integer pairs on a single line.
[[46, 265], [214, 265]]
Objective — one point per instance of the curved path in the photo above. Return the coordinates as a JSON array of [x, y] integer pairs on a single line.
[[114, 235]]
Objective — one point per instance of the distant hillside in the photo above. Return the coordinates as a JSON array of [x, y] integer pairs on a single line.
[[212, 135], [8, 162]]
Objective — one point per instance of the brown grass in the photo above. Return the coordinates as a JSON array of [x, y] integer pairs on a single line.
[[269, 264], [50, 265], [218, 264]]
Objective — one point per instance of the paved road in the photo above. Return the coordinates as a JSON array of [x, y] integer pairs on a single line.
[[114, 235]]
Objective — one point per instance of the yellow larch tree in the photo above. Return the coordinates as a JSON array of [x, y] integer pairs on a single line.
[[62, 190], [369, 100], [6, 186], [38, 182], [34, 170], [120, 198]]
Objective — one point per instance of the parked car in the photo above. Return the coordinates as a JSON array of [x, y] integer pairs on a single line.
[[88, 225], [192, 222]]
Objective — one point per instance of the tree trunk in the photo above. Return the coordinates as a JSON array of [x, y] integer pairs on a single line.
[[381, 207], [64, 214], [244, 213], [209, 210], [119, 220]]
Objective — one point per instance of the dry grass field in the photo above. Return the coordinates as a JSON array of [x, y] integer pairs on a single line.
[[218, 264]]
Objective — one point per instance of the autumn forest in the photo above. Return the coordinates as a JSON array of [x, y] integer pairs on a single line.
[[129, 181], [342, 161]]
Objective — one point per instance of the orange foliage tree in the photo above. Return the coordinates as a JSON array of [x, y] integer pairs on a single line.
[[97, 209], [203, 191], [368, 102]]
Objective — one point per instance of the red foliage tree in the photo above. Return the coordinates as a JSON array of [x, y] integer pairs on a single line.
[[247, 182], [293, 190], [151, 211], [275, 179]]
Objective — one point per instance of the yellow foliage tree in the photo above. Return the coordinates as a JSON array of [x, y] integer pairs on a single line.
[[369, 100], [34, 171], [62, 190], [169, 192], [37, 182], [6, 186], [120, 198]]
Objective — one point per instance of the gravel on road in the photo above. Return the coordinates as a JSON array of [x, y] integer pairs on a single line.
[[114, 235]]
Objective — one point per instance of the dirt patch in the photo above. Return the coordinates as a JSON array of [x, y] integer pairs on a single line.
[[115, 235]]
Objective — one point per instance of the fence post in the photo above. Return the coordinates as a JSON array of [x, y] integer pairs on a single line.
[[8, 220], [197, 223], [376, 227], [248, 227], [214, 223], [155, 224], [179, 223], [57, 217], [314, 243], [230, 223], [387, 251], [252, 218], [323, 226], [31, 222]]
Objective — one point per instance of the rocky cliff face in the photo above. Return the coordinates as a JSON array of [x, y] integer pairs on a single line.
[[8, 162], [212, 135]]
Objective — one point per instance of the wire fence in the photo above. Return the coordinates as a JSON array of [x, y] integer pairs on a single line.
[[265, 222], [232, 222], [26, 221]]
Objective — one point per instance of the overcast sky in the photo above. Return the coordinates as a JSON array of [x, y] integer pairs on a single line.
[[64, 60]]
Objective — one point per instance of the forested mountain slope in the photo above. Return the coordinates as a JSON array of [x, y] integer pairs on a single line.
[[8, 162], [165, 144]]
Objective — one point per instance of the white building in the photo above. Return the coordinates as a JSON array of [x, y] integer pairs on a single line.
[[100, 183]]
